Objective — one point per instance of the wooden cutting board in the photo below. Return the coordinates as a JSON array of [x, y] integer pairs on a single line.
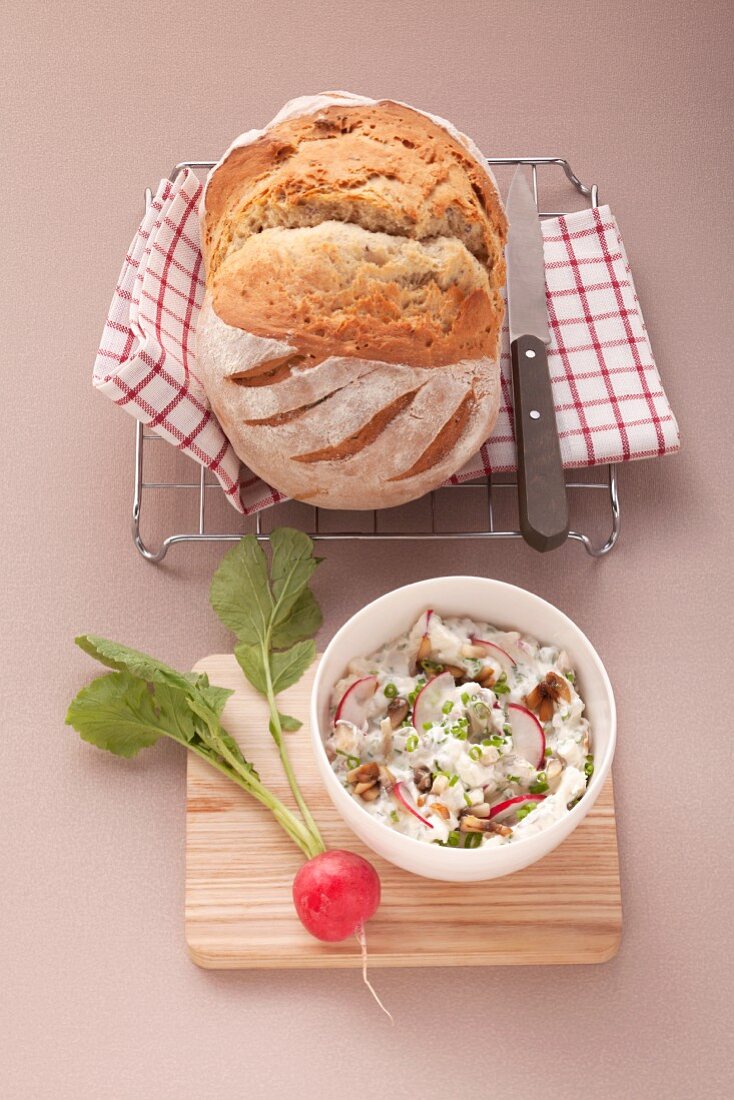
[[240, 865]]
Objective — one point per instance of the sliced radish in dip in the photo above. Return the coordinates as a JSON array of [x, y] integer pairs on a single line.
[[428, 709], [509, 808], [495, 653], [397, 790], [354, 702], [528, 739]]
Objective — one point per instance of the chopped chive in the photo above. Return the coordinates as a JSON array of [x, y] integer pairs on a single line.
[[472, 840], [475, 752], [589, 769], [538, 788], [394, 816], [453, 780], [502, 678], [465, 697], [525, 809], [507, 728], [390, 691], [513, 778], [447, 707], [501, 689], [451, 841], [467, 800], [412, 743], [427, 725], [548, 752], [571, 676], [352, 761]]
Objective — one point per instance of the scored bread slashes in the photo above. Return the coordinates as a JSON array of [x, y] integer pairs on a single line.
[[349, 335]]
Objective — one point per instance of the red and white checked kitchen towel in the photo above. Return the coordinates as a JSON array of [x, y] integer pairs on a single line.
[[609, 401]]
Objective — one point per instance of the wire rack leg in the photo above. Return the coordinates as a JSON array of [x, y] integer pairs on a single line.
[[600, 551]]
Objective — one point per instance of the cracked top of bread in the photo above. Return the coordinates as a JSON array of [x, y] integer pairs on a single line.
[[384, 170], [354, 255]]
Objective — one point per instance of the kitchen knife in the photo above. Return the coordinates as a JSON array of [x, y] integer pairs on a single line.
[[541, 485]]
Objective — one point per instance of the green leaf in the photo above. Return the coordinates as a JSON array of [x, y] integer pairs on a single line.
[[216, 737], [115, 712], [240, 593], [250, 660], [292, 565], [150, 670], [215, 697], [293, 561], [288, 667], [123, 658], [172, 713], [303, 622], [288, 724], [123, 713]]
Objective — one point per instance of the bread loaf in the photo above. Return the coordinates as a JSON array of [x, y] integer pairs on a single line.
[[349, 335]]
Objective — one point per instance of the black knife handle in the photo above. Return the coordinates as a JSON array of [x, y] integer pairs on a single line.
[[541, 486]]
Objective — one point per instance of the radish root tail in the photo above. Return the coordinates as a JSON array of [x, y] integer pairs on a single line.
[[362, 941]]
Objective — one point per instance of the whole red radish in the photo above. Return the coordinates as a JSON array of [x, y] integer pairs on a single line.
[[335, 893]]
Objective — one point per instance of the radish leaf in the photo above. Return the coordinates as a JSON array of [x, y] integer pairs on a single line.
[[292, 566], [289, 665], [118, 712], [304, 620], [250, 660], [240, 593], [123, 658], [274, 618], [288, 724]]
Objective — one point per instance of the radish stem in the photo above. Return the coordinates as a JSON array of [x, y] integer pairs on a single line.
[[287, 820], [277, 731]]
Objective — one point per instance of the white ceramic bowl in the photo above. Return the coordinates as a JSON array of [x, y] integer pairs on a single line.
[[505, 606]]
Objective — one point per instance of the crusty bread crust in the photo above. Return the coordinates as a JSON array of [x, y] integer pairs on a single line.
[[338, 289], [349, 337]]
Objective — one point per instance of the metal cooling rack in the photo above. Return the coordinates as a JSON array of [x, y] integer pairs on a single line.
[[489, 489]]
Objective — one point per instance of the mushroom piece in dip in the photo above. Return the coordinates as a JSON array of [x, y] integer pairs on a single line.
[[461, 734]]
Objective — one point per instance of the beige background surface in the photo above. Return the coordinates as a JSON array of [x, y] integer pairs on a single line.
[[98, 998]]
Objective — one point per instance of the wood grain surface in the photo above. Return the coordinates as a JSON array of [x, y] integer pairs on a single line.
[[240, 865]]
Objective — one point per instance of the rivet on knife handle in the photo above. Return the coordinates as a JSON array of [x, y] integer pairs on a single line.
[[541, 484]]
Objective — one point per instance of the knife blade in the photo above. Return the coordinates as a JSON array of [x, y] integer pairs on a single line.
[[541, 484]]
